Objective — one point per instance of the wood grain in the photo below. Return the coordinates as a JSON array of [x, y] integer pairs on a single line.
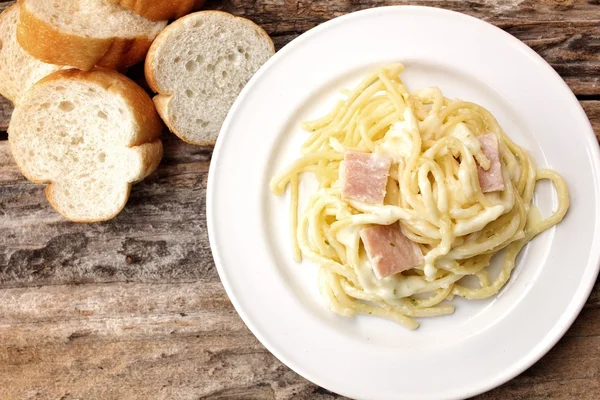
[[565, 33], [152, 300], [133, 308], [592, 109], [168, 341], [185, 341], [159, 237]]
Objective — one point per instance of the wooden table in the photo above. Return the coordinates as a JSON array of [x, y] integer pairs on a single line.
[[133, 308]]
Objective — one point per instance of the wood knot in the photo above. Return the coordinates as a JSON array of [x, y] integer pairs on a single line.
[[131, 259]]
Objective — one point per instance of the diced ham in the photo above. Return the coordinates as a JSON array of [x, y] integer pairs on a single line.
[[389, 251], [490, 180], [364, 177]]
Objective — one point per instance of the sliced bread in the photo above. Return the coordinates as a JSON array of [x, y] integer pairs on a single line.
[[18, 69], [198, 65], [161, 9], [90, 135], [85, 33]]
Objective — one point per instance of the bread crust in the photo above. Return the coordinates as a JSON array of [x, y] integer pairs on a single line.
[[163, 98], [50, 45], [14, 85], [148, 128], [158, 10]]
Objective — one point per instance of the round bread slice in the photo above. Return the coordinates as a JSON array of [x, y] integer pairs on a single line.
[[18, 69], [161, 9], [198, 65], [85, 33], [90, 135]]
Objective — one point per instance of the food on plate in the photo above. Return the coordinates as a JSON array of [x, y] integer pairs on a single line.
[[416, 193], [90, 135], [160, 9], [198, 65], [85, 34], [19, 70]]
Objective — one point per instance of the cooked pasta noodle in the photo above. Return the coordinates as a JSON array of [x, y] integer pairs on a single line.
[[432, 190]]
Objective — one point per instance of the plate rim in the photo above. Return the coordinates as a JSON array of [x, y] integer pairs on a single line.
[[573, 308]]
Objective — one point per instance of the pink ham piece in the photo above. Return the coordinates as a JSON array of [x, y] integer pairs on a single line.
[[364, 177], [389, 251], [490, 180]]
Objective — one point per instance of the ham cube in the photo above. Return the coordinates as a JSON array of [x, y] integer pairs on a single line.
[[490, 180], [389, 251], [364, 177]]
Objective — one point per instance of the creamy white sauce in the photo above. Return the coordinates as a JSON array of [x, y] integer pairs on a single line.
[[430, 126], [476, 223], [397, 142], [390, 287], [462, 132], [430, 270], [348, 236]]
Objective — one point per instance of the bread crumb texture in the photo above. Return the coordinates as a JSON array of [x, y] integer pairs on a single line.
[[201, 63], [83, 136]]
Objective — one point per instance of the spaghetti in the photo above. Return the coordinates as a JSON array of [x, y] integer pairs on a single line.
[[432, 190]]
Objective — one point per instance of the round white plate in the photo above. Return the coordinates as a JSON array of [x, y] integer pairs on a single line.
[[484, 343]]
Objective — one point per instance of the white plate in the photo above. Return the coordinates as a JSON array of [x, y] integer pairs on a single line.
[[485, 343]]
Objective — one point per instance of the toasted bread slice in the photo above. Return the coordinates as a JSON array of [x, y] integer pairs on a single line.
[[90, 135], [198, 65], [85, 33], [161, 9], [18, 69]]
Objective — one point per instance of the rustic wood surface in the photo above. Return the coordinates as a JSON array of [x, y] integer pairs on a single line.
[[133, 308]]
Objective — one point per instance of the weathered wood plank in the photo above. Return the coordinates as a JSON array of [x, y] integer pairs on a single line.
[[592, 109], [5, 4], [6, 109], [321, 10], [135, 341], [137, 319], [565, 32], [159, 237], [182, 341]]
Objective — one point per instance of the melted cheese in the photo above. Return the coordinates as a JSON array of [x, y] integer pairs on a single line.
[[398, 141]]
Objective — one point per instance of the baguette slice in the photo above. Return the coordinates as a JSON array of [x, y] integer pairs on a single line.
[[161, 9], [90, 135], [198, 65], [85, 33], [18, 69]]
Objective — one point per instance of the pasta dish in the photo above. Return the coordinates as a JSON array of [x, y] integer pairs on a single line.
[[416, 193]]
